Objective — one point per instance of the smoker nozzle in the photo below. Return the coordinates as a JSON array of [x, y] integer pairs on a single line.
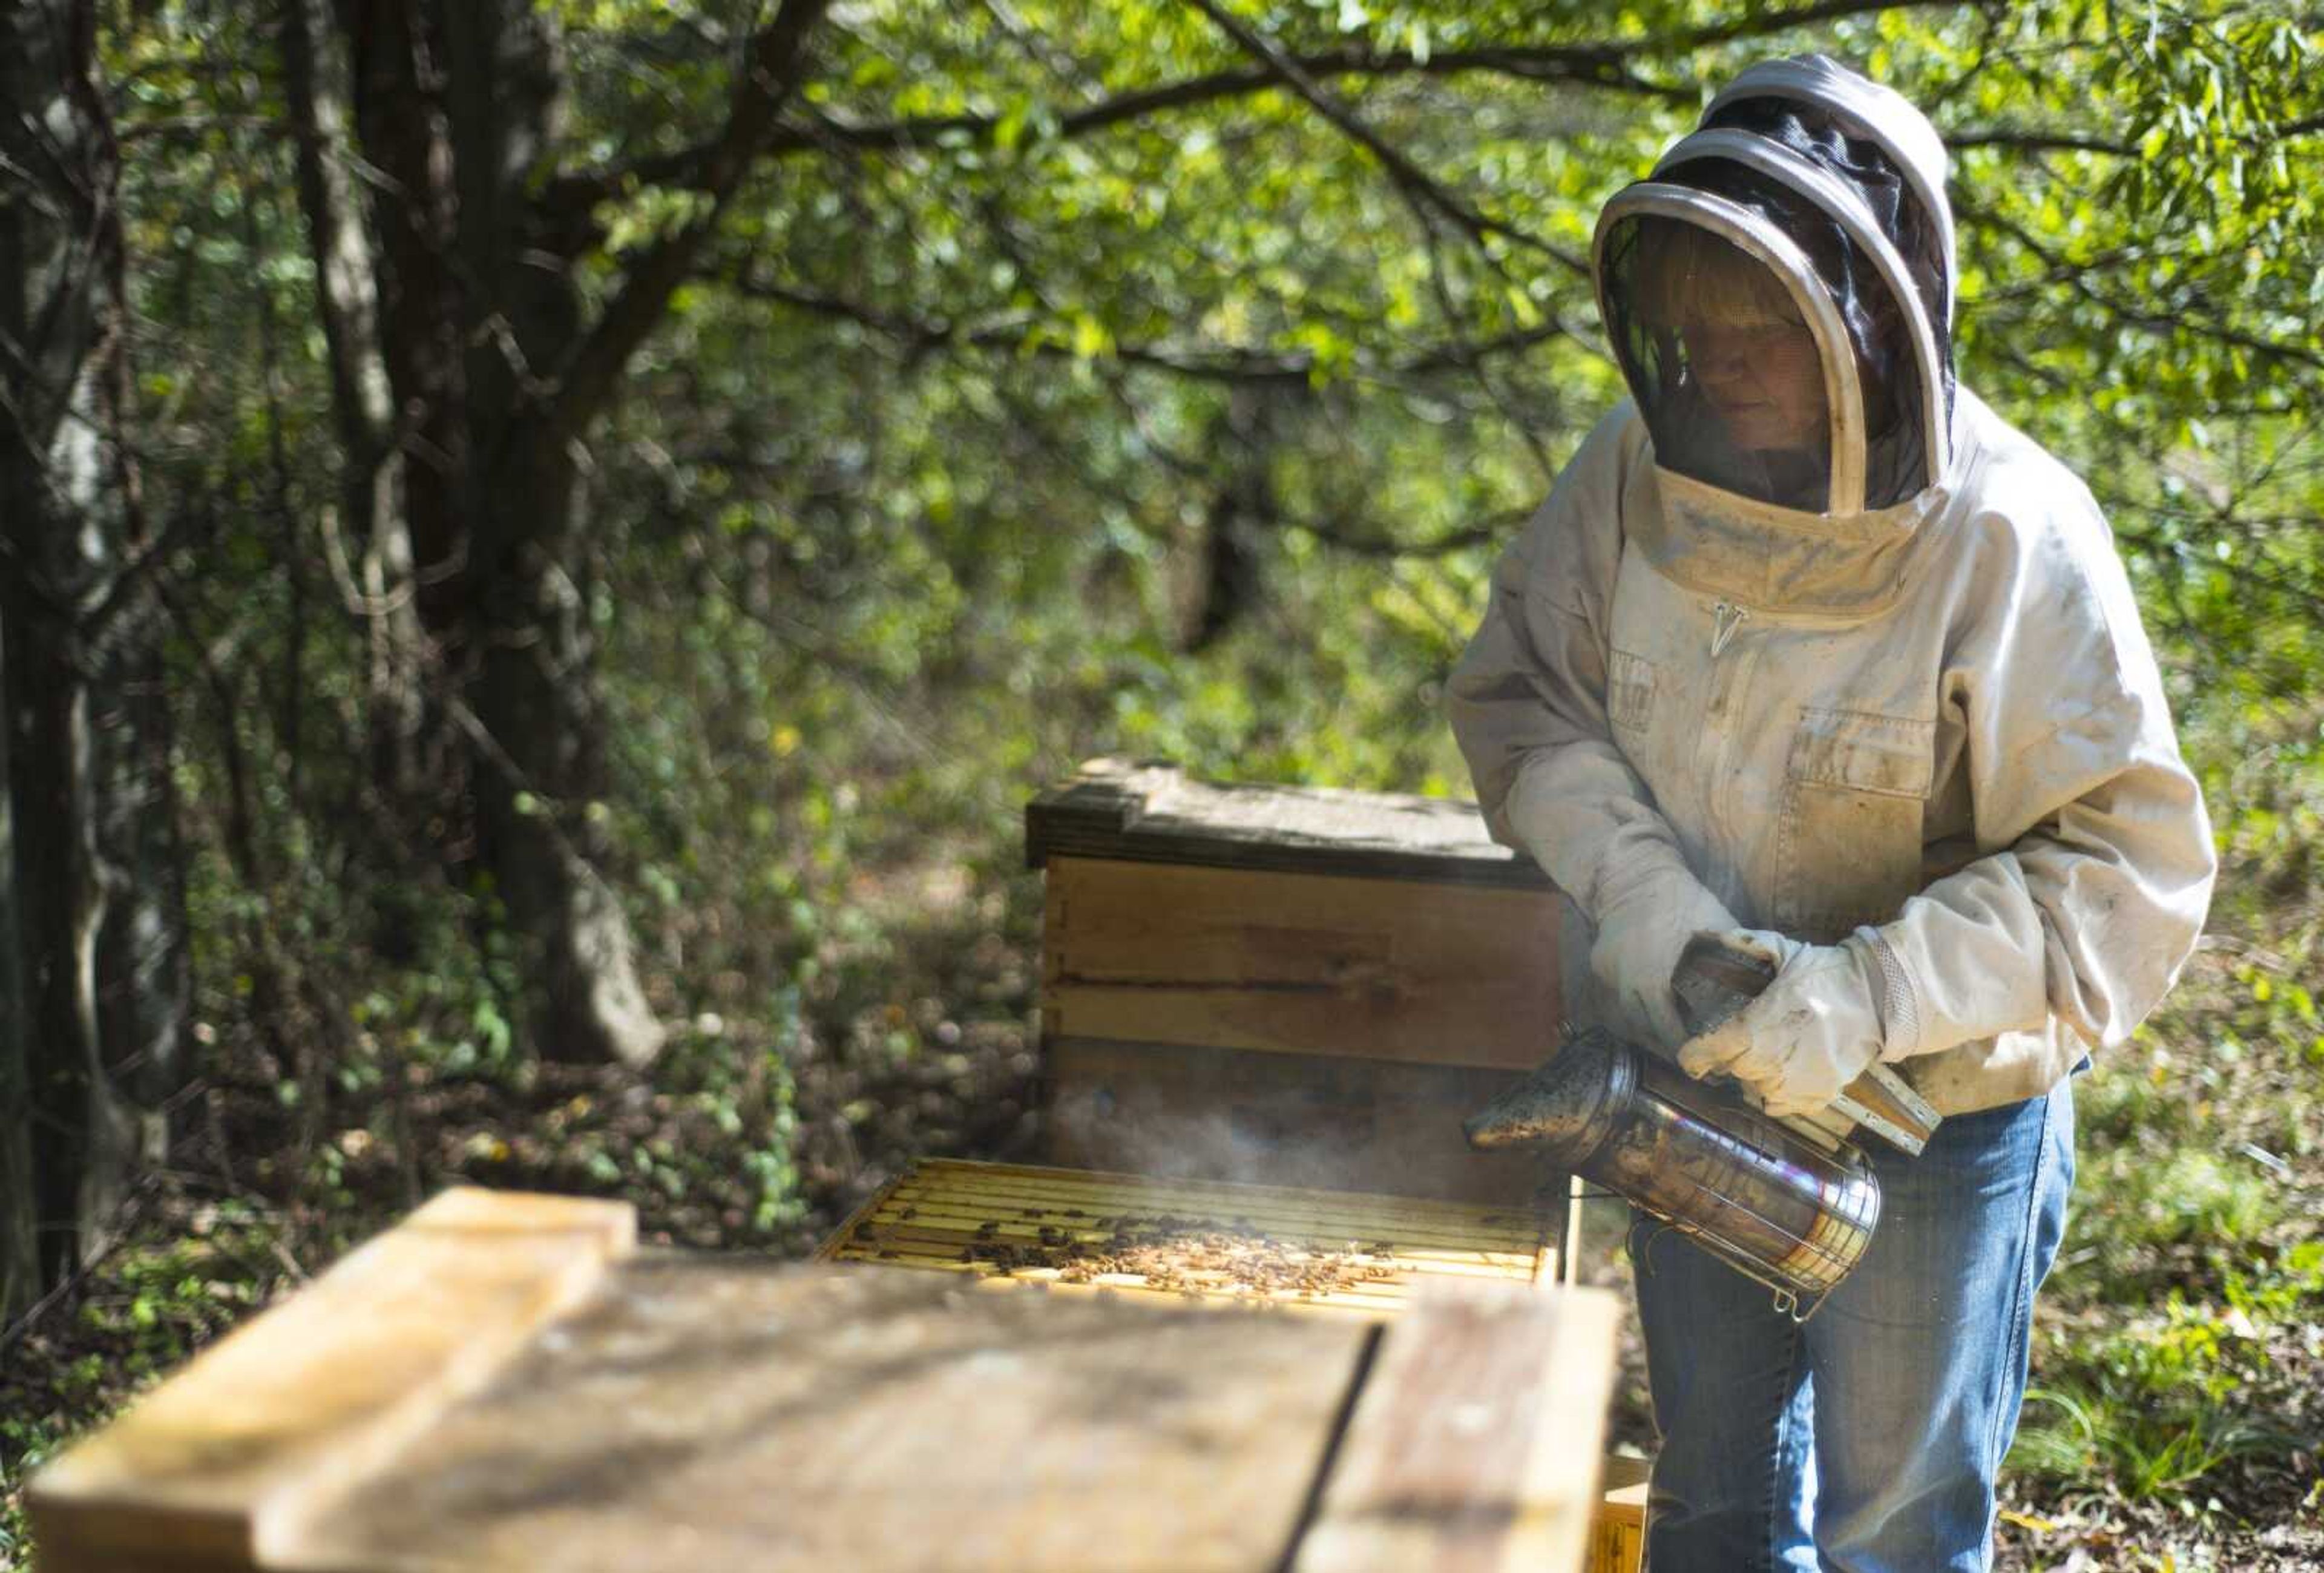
[[1792, 1215], [1566, 1107]]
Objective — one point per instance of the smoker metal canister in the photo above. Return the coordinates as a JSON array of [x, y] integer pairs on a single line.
[[1776, 1206]]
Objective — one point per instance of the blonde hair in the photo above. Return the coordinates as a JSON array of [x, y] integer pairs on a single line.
[[1685, 273]]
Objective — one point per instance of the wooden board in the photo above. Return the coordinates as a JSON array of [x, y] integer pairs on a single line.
[[1277, 1118], [1150, 812], [413, 1412], [219, 1467], [1475, 1443], [698, 1413], [1300, 963], [1371, 1252]]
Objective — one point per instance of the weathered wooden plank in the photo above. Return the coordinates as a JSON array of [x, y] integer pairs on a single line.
[[1475, 1443], [698, 1414], [1300, 963], [1153, 813], [219, 1467], [1275, 1116], [415, 1409]]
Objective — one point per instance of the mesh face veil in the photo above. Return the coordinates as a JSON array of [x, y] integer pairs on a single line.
[[1808, 210]]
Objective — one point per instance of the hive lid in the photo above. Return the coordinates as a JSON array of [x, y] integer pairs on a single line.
[[1150, 811]]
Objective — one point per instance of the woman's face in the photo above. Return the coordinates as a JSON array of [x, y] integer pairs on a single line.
[[1764, 381]]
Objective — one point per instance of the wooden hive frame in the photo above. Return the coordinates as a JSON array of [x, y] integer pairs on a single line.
[[1271, 1248]]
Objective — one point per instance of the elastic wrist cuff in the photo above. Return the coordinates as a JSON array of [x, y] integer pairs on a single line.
[[1900, 1011]]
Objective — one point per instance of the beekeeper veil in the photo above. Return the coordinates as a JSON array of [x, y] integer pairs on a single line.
[[1808, 207]]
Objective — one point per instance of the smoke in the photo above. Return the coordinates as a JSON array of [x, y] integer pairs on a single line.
[[1416, 1150]]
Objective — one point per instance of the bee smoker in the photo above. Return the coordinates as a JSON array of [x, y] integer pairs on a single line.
[[1791, 1212]]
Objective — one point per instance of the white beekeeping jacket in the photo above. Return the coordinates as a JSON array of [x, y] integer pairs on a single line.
[[1906, 692]]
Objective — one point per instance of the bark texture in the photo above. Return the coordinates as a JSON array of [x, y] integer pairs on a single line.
[[468, 376], [92, 898]]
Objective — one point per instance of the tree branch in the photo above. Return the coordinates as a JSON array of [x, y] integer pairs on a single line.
[[1608, 64], [1415, 181], [2036, 141], [778, 59], [2075, 276], [686, 167], [1232, 366], [1378, 543], [1427, 200]]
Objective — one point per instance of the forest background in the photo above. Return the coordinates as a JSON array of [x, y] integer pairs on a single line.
[[545, 544]]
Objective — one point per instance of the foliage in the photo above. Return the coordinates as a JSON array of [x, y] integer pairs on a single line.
[[2180, 1353]]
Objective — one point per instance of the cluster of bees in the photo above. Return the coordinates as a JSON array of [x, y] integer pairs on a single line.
[[1187, 1255]]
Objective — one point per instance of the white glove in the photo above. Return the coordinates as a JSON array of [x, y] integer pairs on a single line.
[[1643, 924], [1810, 1033]]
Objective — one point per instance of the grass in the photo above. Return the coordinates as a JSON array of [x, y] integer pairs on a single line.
[[2175, 1417]]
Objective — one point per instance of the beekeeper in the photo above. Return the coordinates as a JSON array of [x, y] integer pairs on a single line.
[[1810, 648]]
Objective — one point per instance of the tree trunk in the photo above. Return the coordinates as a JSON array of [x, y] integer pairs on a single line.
[[458, 104], [83, 1136], [94, 881], [416, 796], [20, 1256], [536, 694], [497, 376], [1220, 576]]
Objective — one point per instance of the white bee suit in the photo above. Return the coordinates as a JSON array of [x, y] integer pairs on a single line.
[[1913, 715]]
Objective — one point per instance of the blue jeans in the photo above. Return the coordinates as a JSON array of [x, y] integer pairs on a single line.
[[1867, 1440]]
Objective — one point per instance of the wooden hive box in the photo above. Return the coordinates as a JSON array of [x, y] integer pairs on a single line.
[[1289, 985], [505, 1383]]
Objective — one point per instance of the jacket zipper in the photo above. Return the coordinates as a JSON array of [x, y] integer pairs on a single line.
[[1723, 690], [1726, 617]]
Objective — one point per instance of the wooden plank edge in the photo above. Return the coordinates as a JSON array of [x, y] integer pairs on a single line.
[[1387, 1504], [1513, 1227], [1522, 1215], [936, 1220], [1047, 842], [828, 1251], [1272, 1218], [232, 1502]]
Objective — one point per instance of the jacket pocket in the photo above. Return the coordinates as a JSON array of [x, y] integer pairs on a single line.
[[1629, 690], [1856, 789]]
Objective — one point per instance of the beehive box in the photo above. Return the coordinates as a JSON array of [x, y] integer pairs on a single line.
[[1288, 986], [1332, 1253], [1305, 987], [505, 1381]]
